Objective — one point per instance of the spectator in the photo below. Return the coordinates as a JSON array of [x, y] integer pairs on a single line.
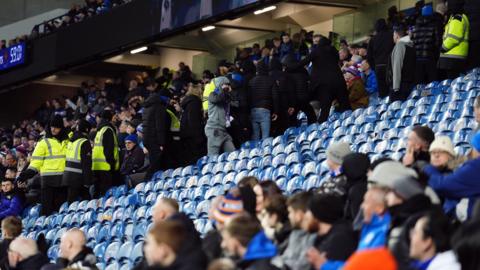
[[374, 259], [156, 123], [11, 229], [326, 78], [105, 155], [344, 56], [243, 237], [465, 245], [78, 168], [74, 253], [263, 100], [454, 51], [133, 158], [472, 9], [219, 119], [300, 240], [418, 144], [11, 202], [336, 183], [363, 51], [427, 42], [459, 184], [430, 243], [23, 254], [264, 191], [275, 222], [401, 73], [442, 154], [286, 47], [355, 167], [371, 83], [357, 95], [335, 238]]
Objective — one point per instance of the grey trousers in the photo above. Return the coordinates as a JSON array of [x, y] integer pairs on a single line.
[[218, 141]]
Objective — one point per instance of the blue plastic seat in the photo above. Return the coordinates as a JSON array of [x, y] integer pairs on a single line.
[[295, 184], [204, 181], [254, 163], [139, 230], [99, 251], [52, 252], [203, 208], [241, 164], [294, 170], [279, 149], [199, 193], [137, 252], [278, 160], [113, 266]]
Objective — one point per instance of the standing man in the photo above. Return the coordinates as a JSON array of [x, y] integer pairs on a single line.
[[48, 159], [105, 156], [78, 169], [156, 123]]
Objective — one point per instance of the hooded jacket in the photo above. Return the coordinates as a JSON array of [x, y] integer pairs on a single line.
[[427, 38], [355, 167], [263, 90], [191, 122], [402, 63], [11, 204], [156, 122], [76, 179], [357, 94], [381, 45], [108, 142], [260, 251], [295, 82], [218, 109]]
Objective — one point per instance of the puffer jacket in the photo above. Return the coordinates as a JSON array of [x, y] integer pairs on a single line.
[[156, 122], [426, 38], [263, 90]]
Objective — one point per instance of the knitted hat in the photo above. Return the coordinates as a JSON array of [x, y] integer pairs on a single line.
[[56, 122], [371, 259], [326, 208], [406, 187], [476, 141], [22, 149], [442, 143], [132, 138], [229, 205], [337, 151], [386, 172]]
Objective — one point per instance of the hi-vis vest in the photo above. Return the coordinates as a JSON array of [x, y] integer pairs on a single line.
[[455, 37], [209, 88], [174, 125], [73, 155], [48, 158], [99, 161]]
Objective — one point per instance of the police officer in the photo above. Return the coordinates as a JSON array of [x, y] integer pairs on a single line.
[[48, 159], [454, 51], [105, 154], [78, 168]]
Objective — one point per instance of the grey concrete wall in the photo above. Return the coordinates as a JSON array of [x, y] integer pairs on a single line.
[[16, 10]]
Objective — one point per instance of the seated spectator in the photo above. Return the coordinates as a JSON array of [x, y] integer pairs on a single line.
[[357, 95], [363, 50], [23, 254], [442, 154], [243, 237], [466, 245], [336, 240], [222, 264], [418, 144], [430, 243], [11, 229], [370, 81], [134, 157], [11, 202], [264, 191], [344, 56], [373, 259], [336, 182], [461, 184], [275, 222], [300, 240], [355, 167], [73, 252], [11, 173]]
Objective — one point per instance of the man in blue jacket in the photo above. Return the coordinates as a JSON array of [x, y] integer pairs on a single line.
[[462, 185], [11, 203]]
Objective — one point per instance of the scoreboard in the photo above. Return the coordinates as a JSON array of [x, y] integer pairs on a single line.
[[12, 56]]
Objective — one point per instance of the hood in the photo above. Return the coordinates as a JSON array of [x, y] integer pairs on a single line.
[[355, 167], [414, 205], [153, 99], [381, 25], [406, 39], [78, 135], [219, 81], [260, 247]]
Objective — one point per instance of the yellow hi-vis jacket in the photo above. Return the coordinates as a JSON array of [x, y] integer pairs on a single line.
[[174, 125], [455, 37], [73, 155], [48, 157], [209, 88], [99, 161]]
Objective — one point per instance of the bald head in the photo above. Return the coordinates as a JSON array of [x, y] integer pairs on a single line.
[[72, 243], [163, 209], [22, 248]]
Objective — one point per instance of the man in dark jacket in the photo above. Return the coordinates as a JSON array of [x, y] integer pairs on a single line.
[[286, 96], [326, 78], [355, 167], [379, 50], [427, 41], [73, 252], [263, 100], [11, 203], [156, 124], [24, 255], [11, 229], [472, 8], [134, 156]]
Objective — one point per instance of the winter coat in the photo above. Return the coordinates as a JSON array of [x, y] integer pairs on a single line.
[[296, 82], [444, 261], [339, 243], [71, 179], [461, 184], [402, 67], [472, 9], [371, 83], [380, 48], [211, 245], [108, 142], [83, 260], [357, 95], [10, 205], [263, 91], [132, 161], [355, 168], [4, 245], [156, 122], [294, 256], [34, 262], [335, 184], [191, 122], [260, 251], [218, 110], [427, 38]]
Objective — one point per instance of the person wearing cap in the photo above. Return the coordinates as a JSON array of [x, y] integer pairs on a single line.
[[48, 159], [133, 158], [78, 167], [336, 240], [105, 154], [418, 145], [427, 40], [219, 118], [461, 186], [357, 95], [337, 182]]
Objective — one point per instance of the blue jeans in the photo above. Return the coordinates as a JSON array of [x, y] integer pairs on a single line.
[[260, 123]]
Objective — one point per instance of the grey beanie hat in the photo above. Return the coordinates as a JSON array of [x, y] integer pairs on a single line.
[[387, 172], [406, 187], [337, 151]]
